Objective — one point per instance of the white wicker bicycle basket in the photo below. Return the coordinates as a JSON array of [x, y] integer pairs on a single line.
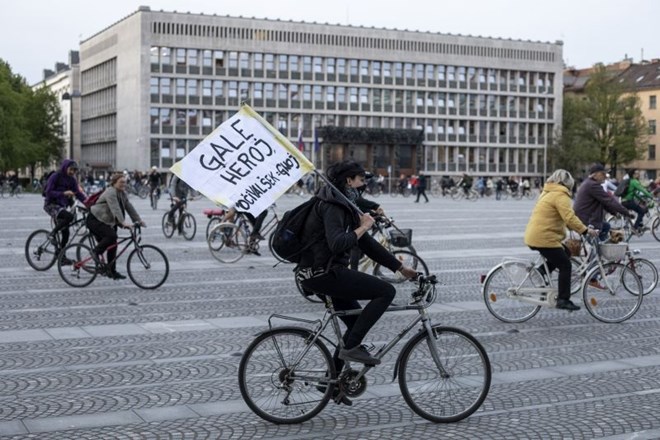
[[613, 251]]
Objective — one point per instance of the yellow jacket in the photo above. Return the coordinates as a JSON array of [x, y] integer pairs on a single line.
[[551, 216]]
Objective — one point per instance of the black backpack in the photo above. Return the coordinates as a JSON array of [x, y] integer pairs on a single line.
[[287, 238], [622, 189], [50, 173]]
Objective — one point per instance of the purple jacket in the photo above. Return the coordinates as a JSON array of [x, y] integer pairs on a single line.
[[58, 183]]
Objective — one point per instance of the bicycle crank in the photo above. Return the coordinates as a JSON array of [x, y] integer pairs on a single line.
[[350, 386]]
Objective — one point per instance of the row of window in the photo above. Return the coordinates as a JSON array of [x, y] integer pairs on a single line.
[[344, 66], [344, 40], [257, 90], [100, 76]]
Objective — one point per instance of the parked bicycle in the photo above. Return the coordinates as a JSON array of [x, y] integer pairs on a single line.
[[229, 241], [41, 250], [287, 374], [147, 266], [515, 290], [181, 221]]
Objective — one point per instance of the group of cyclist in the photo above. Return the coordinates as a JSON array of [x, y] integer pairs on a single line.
[[555, 211], [103, 218]]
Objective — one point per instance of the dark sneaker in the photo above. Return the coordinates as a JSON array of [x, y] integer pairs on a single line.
[[567, 304], [358, 354], [117, 276]]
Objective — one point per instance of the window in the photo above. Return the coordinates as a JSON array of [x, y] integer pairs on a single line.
[[364, 95], [258, 91], [206, 87], [353, 94], [206, 118], [651, 154], [207, 58], [461, 74], [354, 67], [387, 69], [181, 57], [165, 86], [270, 61], [153, 83], [219, 57], [408, 70], [364, 67], [154, 54], [244, 89], [294, 63], [269, 89], [341, 66], [451, 73], [330, 62], [166, 55], [233, 60], [398, 70], [153, 116], [166, 116], [180, 87], [651, 126], [307, 64], [318, 93], [284, 61], [318, 65], [192, 57], [192, 87], [330, 94], [282, 92], [376, 68], [218, 89], [652, 102], [192, 117], [233, 89], [293, 89], [307, 93], [244, 58], [341, 94], [258, 61], [441, 73]]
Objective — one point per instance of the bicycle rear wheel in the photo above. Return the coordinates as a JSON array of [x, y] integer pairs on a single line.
[[655, 228], [147, 267], [615, 295], [272, 251], [408, 259], [188, 226], [647, 273], [168, 227], [213, 221], [40, 252], [451, 386], [227, 242], [500, 301], [76, 265], [277, 388]]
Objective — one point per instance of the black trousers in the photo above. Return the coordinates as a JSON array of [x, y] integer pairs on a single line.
[[106, 236], [345, 287], [421, 192], [558, 258], [62, 222]]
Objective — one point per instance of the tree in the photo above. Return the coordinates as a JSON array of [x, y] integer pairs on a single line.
[[30, 124], [605, 124]]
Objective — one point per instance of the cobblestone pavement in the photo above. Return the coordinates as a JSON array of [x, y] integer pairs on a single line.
[[111, 361]]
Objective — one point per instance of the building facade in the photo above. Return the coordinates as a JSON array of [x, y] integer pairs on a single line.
[[156, 83]]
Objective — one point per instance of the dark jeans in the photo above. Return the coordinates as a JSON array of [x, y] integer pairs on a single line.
[[634, 206], [605, 228], [345, 286], [62, 222], [558, 258], [170, 215], [106, 236], [421, 192]]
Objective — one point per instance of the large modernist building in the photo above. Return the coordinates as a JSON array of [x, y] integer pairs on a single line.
[[155, 83]]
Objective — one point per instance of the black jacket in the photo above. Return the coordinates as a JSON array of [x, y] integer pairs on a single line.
[[591, 201], [331, 227]]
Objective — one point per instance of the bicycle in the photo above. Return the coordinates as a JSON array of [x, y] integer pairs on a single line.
[[514, 290], [644, 268], [229, 241], [147, 266], [287, 374], [458, 193], [139, 189], [7, 190], [215, 216], [41, 250], [182, 220], [651, 221]]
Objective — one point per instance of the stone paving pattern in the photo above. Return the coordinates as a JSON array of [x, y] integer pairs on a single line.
[[111, 361]]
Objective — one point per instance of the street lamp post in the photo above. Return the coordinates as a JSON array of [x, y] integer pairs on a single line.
[[69, 97]]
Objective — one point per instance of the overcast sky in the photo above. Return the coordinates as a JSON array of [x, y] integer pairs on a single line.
[[34, 34]]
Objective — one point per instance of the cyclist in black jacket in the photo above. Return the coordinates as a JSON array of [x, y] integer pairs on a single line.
[[334, 227]]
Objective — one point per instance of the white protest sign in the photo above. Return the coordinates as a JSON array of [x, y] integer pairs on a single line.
[[244, 163]]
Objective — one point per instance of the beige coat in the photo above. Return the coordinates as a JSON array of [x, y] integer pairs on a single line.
[[108, 211], [551, 216]]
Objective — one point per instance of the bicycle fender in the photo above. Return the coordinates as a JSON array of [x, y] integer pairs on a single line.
[[420, 334]]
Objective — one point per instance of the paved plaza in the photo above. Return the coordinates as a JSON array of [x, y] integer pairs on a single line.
[[111, 361]]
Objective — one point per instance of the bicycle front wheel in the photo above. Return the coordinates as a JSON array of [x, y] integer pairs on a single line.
[[655, 228], [408, 259], [285, 379], [143, 192], [501, 291], [188, 226], [612, 294], [444, 377], [147, 267], [213, 222], [168, 227], [76, 265], [647, 273], [40, 252], [227, 242]]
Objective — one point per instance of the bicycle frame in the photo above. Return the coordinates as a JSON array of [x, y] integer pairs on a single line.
[[332, 317], [134, 239]]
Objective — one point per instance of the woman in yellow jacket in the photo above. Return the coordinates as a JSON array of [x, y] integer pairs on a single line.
[[546, 230]]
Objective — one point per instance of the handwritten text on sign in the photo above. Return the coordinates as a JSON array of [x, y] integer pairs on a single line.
[[244, 163]]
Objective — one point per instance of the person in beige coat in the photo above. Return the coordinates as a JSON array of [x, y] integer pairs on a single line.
[[104, 217], [546, 230]]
